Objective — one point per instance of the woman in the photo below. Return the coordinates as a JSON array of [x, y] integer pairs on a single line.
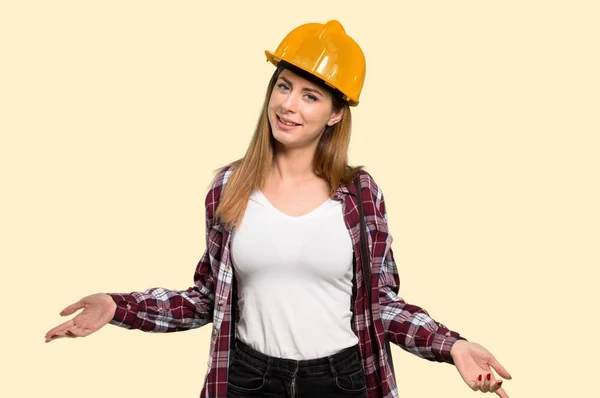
[[279, 279]]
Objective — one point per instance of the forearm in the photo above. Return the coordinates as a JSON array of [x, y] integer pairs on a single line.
[[163, 310], [410, 327]]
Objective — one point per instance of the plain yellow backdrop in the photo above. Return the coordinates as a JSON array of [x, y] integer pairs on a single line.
[[479, 120]]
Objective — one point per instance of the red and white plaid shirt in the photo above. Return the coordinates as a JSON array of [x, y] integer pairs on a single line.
[[212, 299]]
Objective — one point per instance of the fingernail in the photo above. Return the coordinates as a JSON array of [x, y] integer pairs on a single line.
[[489, 376], [499, 383], [479, 378]]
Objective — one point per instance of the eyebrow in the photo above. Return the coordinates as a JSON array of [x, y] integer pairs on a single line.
[[305, 88]]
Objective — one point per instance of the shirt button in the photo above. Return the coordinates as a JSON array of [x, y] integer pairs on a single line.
[[215, 332], [128, 306], [221, 302]]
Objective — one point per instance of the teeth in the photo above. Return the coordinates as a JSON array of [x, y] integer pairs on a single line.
[[287, 123]]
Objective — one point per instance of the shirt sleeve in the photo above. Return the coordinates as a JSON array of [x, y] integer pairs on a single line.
[[407, 325], [163, 310]]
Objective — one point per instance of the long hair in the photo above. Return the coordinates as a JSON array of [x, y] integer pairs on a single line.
[[250, 172]]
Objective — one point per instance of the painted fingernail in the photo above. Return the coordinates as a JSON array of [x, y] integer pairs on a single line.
[[489, 376], [479, 378]]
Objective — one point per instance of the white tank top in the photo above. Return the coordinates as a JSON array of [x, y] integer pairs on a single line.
[[294, 278]]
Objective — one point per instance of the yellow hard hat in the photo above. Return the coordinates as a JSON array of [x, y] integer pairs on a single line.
[[327, 52]]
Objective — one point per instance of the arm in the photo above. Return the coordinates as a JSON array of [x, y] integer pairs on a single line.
[[407, 325], [162, 310], [411, 327]]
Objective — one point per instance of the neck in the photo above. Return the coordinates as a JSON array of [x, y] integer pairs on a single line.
[[293, 165]]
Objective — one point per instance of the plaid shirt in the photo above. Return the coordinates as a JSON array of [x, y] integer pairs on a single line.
[[212, 299]]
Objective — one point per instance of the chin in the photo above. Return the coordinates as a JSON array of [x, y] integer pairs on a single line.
[[284, 140], [280, 138]]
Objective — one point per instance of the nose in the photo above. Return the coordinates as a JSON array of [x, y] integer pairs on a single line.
[[289, 103]]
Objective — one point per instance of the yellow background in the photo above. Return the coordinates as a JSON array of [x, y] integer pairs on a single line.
[[479, 120]]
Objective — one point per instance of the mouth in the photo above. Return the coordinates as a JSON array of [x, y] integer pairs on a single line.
[[286, 124]]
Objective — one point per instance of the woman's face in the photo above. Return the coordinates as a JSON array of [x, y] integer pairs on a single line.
[[299, 111]]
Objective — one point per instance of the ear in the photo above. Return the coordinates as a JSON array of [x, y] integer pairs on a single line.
[[336, 116]]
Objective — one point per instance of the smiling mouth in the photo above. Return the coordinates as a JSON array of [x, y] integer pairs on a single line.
[[291, 124]]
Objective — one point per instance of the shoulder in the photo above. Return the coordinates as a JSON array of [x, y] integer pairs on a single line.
[[220, 180], [371, 191], [216, 187]]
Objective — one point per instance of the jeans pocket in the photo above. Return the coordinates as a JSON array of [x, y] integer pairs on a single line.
[[244, 377], [351, 379]]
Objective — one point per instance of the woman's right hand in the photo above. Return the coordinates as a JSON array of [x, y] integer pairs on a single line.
[[98, 310]]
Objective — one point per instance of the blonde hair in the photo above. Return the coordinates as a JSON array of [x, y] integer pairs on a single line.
[[250, 172]]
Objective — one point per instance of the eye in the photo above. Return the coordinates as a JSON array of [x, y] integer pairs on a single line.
[[311, 97], [282, 86]]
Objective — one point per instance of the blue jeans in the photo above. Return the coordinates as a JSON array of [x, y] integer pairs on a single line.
[[254, 374]]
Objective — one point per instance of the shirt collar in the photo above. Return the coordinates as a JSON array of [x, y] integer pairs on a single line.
[[339, 194]]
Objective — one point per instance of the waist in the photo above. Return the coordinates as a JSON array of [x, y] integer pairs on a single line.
[[324, 365]]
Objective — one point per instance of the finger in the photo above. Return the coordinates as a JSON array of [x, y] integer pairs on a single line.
[[476, 384], [501, 393], [71, 334], [72, 308], [496, 386], [487, 382], [499, 368], [59, 330], [58, 335]]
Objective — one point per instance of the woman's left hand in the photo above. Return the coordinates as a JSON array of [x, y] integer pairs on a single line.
[[474, 364]]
